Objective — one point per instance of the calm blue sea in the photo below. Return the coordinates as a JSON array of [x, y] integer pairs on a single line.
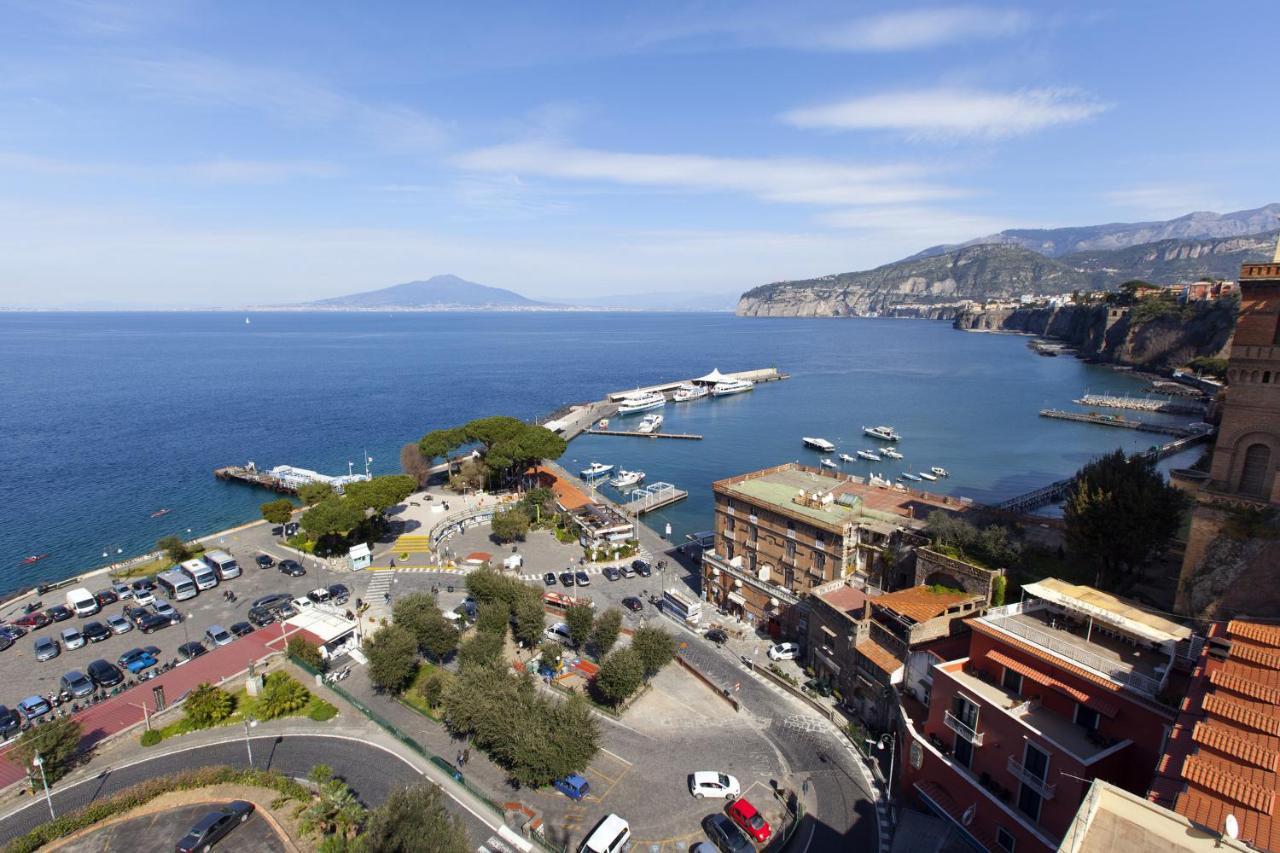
[[106, 418]]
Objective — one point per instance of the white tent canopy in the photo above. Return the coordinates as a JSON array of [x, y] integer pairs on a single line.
[[713, 376]]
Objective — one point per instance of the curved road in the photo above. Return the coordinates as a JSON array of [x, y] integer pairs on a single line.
[[371, 777]]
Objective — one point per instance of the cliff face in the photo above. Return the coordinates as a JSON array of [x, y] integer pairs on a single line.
[[1109, 334]]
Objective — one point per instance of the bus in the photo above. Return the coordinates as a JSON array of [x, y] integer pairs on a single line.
[[222, 563], [682, 607], [177, 585], [200, 573]]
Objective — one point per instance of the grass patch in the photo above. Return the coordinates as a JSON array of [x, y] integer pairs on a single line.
[[244, 705], [413, 695], [151, 567]]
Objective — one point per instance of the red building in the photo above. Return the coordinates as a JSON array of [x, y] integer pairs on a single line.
[[1069, 685]]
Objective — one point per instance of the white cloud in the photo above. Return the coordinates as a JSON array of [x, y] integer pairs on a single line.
[[219, 171], [951, 112], [1167, 201], [788, 180], [923, 28]]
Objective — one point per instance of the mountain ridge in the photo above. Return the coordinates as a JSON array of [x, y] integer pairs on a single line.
[[439, 291]]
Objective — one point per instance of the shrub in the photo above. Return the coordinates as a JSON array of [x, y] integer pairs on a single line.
[[282, 694], [998, 589], [432, 688], [151, 737], [57, 742], [207, 705], [174, 548], [321, 711], [307, 652]]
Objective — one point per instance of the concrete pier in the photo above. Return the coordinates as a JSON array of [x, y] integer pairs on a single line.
[[767, 374]]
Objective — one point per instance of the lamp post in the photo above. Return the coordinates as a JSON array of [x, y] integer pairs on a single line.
[[39, 762], [879, 744], [249, 722]]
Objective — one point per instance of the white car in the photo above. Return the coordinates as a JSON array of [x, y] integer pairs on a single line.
[[558, 632], [144, 597], [709, 783], [784, 651], [71, 639]]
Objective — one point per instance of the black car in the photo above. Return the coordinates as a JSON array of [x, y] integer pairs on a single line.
[[5, 642], [611, 573], [263, 561], [566, 578], [633, 604], [105, 597], [215, 826], [60, 612], [189, 652], [717, 636], [10, 722], [136, 614], [549, 579], [148, 584], [725, 834], [642, 568], [239, 629], [581, 578], [338, 593], [261, 616], [153, 622], [12, 632], [291, 529], [104, 674], [292, 568], [95, 632]]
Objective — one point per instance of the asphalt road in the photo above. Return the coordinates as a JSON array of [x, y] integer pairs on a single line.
[[371, 772]]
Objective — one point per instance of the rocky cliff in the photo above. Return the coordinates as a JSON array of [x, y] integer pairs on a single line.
[[1119, 335]]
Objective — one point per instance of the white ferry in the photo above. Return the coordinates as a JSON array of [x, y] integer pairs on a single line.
[[941, 472], [884, 433], [827, 463], [688, 392], [869, 456], [650, 424], [596, 469], [731, 386], [641, 403], [819, 444], [890, 453], [627, 479]]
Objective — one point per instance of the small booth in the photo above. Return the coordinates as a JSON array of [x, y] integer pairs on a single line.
[[360, 557], [333, 633]]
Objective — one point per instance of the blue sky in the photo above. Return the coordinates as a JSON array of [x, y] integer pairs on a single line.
[[201, 153]]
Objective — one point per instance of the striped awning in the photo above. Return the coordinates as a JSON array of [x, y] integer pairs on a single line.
[[1101, 704]]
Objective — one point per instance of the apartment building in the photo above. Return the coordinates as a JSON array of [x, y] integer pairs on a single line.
[[1069, 685]]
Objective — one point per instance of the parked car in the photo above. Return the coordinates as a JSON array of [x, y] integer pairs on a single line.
[[59, 613], [104, 673], [339, 594], [47, 648], [549, 579], [188, 652], [784, 651], [633, 604], [710, 783], [240, 629], [105, 597], [558, 632], [154, 651], [611, 573], [122, 590], [168, 611], [95, 632], [71, 638], [292, 568], [118, 624], [144, 596], [136, 660], [581, 578], [215, 826], [566, 578], [749, 820], [75, 684], [272, 600], [13, 632], [5, 642], [218, 636], [10, 723], [291, 529], [34, 620], [725, 835], [717, 636], [573, 786], [135, 614], [264, 561], [153, 622], [628, 571], [642, 568], [319, 595], [33, 707]]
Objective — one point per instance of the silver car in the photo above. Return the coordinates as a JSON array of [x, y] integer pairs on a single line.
[[47, 648], [71, 639], [119, 625], [218, 636]]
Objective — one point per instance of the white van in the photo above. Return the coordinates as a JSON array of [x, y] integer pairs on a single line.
[[81, 602], [176, 585], [609, 836], [223, 563], [203, 576]]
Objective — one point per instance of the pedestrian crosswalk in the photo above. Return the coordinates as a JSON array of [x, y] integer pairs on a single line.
[[494, 844], [642, 554], [377, 593]]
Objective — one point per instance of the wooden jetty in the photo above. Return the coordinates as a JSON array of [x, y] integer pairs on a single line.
[[685, 435], [653, 496], [1116, 421], [253, 477]]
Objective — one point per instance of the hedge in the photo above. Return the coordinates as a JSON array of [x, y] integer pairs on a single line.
[[144, 792]]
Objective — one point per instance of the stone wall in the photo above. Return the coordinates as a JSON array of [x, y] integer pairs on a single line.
[[934, 568]]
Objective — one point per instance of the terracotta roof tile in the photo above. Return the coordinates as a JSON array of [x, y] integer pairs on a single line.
[[1228, 785], [1057, 662], [1240, 712], [1237, 684], [846, 599], [1253, 654], [920, 603], [1227, 740], [1267, 635], [884, 660]]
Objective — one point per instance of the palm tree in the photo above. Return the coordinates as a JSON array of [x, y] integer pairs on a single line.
[[333, 809]]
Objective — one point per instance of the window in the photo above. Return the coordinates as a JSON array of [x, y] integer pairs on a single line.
[[791, 550], [751, 560], [791, 526], [728, 550], [1005, 840], [755, 531], [1012, 681], [728, 523], [819, 561], [1087, 718], [1253, 476], [1035, 763]]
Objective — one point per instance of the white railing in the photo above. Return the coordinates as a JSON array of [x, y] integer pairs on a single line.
[[1014, 609], [1121, 673], [1032, 781], [959, 727]]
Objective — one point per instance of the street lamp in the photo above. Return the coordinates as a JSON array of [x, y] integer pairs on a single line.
[[39, 762], [249, 722], [879, 744]]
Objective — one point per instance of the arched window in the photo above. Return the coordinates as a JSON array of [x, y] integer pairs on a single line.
[[1266, 377], [1253, 476]]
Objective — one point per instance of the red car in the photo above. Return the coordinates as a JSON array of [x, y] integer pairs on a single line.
[[33, 620], [752, 822]]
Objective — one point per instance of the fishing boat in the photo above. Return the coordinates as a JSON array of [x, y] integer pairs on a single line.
[[884, 433], [731, 386], [604, 424], [906, 476], [941, 472], [925, 475], [877, 480], [687, 392], [639, 402], [161, 512], [890, 453], [650, 424], [820, 444], [827, 463], [869, 456], [595, 469], [845, 457], [34, 558], [626, 479]]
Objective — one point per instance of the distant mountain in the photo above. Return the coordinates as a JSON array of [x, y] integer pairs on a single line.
[[441, 292], [1055, 242], [999, 271]]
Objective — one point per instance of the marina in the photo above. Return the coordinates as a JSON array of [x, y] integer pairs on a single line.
[[1142, 404], [1119, 421], [653, 497]]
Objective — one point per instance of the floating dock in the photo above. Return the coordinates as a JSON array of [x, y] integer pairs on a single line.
[[688, 436], [253, 477], [1117, 421], [653, 496]]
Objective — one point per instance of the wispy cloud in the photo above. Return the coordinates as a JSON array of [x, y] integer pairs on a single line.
[[794, 181], [219, 171], [1165, 201], [952, 113], [926, 225], [923, 28]]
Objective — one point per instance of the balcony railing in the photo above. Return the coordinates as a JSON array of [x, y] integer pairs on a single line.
[[959, 727], [1034, 782]]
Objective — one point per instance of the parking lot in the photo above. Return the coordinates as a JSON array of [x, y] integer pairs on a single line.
[[161, 830]]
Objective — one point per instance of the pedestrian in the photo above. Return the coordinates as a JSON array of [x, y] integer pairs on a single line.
[[393, 562], [459, 758], [386, 598]]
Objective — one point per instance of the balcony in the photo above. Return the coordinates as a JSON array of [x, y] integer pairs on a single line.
[[1034, 782], [956, 725]]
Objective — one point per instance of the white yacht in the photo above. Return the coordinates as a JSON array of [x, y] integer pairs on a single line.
[[596, 469], [626, 479], [827, 463], [641, 403], [884, 433], [731, 386], [869, 456], [877, 480], [890, 453], [906, 476], [941, 472], [845, 457], [925, 475], [687, 392], [819, 444], [650, 424]]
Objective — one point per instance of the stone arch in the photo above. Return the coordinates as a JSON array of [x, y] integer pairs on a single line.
[[944, 579], [1254, 472], [1266, 377]]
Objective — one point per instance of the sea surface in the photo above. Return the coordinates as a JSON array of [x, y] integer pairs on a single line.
[[106, 418]]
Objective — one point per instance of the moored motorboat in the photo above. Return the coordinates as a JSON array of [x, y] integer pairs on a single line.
[[650, 424], [626, 479], [34, 558], [820, 444], [604, 424], [731, 386], [924, 475], [877, 480], [906, 476], [890, 453], [884, 433], [641, 402], [827, 463], [845, 457], [596, 469], [687, 392], [941, 472], [161, 512], [869, 456]]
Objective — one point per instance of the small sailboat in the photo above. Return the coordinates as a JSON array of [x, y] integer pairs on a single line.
[[869, 456], [941, 472], [845, 457], [827, 463], [246, 321], [890, 453], [626, 479], [905, 476], [595, 469]]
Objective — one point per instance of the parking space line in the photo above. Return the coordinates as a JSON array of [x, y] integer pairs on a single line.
[[615, 755]]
